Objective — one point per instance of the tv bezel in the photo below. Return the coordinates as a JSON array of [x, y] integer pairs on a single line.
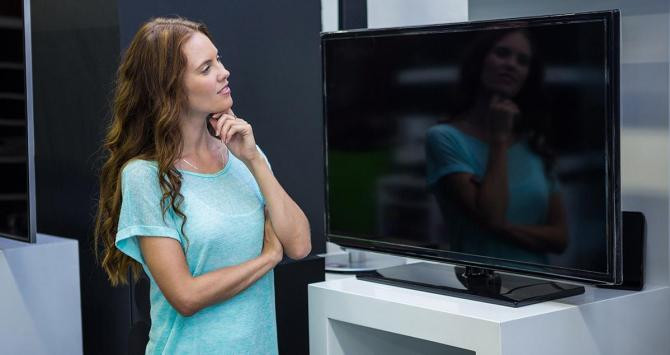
[[613, 273]]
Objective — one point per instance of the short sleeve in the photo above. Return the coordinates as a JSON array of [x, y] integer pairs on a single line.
[[445, 154], [141, 213]]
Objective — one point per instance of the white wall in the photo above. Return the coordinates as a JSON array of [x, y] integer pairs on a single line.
[[329, 20], [392, 13], [645, 28]]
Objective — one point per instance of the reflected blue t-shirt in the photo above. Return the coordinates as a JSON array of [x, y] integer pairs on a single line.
[[449, 151], [225, 226]]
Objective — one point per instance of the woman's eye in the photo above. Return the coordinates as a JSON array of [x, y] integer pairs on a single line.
[[205, 70], [501, 52], [218, 58], [523, 60]]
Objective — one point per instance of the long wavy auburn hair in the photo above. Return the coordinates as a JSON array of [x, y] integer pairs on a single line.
[[149, 98]]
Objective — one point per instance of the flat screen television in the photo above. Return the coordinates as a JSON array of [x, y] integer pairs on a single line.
[[491, 145], [17, 190]]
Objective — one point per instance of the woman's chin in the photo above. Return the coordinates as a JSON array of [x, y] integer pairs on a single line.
[[508, 92], [504, 94], [505, 91], [228, 105], [222, 108]]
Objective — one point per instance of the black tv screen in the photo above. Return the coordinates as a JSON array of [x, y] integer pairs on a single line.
[[489, 143], [17, 198]]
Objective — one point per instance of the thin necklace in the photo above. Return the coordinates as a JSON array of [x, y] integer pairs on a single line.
[[195, 167]]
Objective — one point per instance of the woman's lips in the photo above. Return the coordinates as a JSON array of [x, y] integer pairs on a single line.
[[508, 78], [224, 91]]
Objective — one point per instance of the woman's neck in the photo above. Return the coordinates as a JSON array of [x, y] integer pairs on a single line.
[[196, 140], [476, 116]]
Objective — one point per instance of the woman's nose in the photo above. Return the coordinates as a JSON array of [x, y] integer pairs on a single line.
[[512, 62], [223, 73]]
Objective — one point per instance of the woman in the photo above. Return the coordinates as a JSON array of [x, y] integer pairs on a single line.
[[489, 165], [203, 216]]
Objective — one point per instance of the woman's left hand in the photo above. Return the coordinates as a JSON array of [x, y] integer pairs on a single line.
[[237, 135]]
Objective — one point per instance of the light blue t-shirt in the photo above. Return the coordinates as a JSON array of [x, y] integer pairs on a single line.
[[224, 227], [449, 151]]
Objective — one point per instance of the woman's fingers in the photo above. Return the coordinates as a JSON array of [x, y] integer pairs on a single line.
[[223, 120], [217, 123], [236, 131], [510, 106], [227, 126], [235, 128], [506, 106]]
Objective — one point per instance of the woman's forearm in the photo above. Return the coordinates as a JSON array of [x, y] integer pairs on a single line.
[[549, 237], [187, 293], [492, 196], [288, 220], [224, 283]]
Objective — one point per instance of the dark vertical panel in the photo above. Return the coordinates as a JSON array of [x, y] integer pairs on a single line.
[[291, 280], [353, 14], [75, 54], [272, 50]]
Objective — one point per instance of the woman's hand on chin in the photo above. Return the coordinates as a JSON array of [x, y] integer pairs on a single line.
[[217, 115], [501, 117], [237, 134]]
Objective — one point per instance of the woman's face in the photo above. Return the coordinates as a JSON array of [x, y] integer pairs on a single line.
[[506, 65], [205, 78]]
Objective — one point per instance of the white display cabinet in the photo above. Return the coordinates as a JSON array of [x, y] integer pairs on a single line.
[[349, 316], [40, 303]]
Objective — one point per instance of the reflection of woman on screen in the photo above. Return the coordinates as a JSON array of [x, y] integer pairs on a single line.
[[488, 164]]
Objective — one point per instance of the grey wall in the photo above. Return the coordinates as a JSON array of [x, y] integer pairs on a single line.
[[272, 51], [75, 52], [644, 106]]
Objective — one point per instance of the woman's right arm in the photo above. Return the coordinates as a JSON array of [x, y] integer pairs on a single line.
[[188, 294]]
